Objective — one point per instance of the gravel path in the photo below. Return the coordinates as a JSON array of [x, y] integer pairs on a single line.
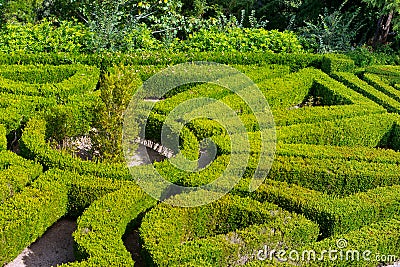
[[54, 247]]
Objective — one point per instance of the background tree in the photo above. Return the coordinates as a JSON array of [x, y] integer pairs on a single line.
[[387, 21]]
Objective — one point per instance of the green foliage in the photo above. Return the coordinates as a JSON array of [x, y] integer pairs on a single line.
[[58, 83], [20, 10], [3, 139], [15, 174], [27, 215], [162, 58], [242, 40], [222, 232], [335, 63], [382, 84], [370, 131], [386, 7], [334, 32], [365, 89], [333, 215], [101, 227], [44, 37], [378, 239], [117, 89]]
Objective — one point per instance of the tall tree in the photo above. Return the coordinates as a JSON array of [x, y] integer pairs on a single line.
[[389, 9]]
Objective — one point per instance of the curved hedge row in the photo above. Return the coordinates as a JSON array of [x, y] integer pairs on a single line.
[[334, 215], [15, 174], [84, 79], [26, 216], [223, 233], [101, 227], [34, 146]]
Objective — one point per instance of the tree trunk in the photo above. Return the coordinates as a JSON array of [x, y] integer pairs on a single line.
[[382, 29]]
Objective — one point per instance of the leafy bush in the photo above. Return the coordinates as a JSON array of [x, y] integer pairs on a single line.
[[242, 40], [20, 10], [334, 32], [44, 37], [116, 90]]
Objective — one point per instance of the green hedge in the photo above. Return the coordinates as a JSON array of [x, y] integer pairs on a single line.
[[72, 118], [259, 73], [34, 146], [82, 190], [15, 110], [283, 94], [338, 102], [375, 240], [371, 131], [222, 233], [385, 70], [101, 227], [334, 215], [27, 215], [366, 154], [320, 114], [85, 79], [340, 175], [37, 74], [105, 60], [334, 63], [15, 174], [365, 89], [3, 138], [382, 85]]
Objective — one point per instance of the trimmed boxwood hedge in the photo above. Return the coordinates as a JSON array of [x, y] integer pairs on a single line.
[[373, 130], [3, 138], [382, 85], [27, 215], [15, 173], [34, 146], [334, 215], [223, 233], [100, 229], [376, 242], [334, 62], [105, 60], [84, 79], [367, 90]]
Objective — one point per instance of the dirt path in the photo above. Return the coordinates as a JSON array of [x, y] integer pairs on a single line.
[[54, 247]]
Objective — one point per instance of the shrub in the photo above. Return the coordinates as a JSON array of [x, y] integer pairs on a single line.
[[365, 89], [3, 139], [224, 232], [100, 229], [27, 215], [48, 81], [116, 90], [335, 63], [242, 40], [334, 215], [15, 174], [44, 37], [382, 85]]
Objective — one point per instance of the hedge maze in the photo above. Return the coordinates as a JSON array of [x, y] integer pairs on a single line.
[[335, 174]]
